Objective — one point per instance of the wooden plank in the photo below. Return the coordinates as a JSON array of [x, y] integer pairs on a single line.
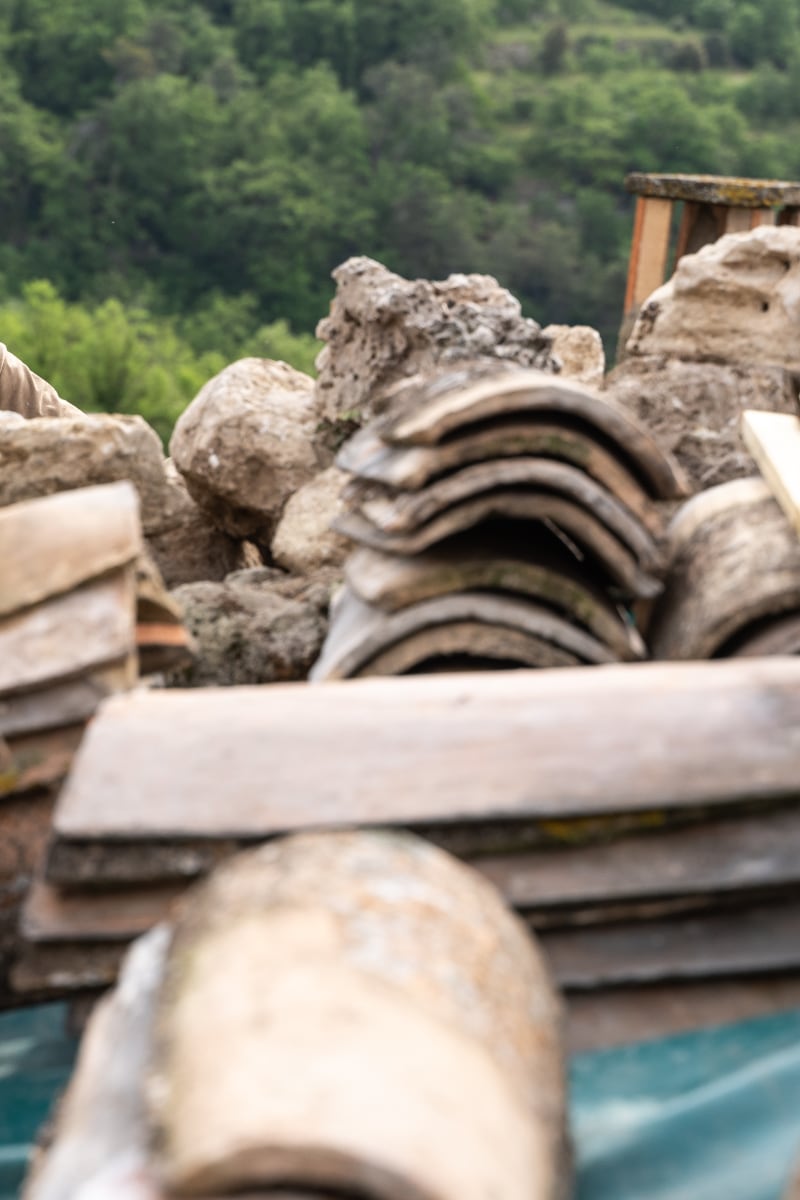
[[715, 857], [37, 759], [64, 703], [736, 569], [738, 943], [648, 261], [58, 969], [115, 914], [250, 762], [52, 545], [725, 858], [606, 554], [87, 628], [738, 220], [725, 190], [450, 400], [412, 467], [760, 940], [621, 1016], [405, 512], [493, 564], [359, 632], [773, 439]]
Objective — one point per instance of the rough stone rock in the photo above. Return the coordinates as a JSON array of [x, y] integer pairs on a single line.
[[258, 626], [736, 300], [40, 457], [383, 328], [359, 1013], [304, 541], [694, 409], [579, 349], [190, 548], [247, 442]]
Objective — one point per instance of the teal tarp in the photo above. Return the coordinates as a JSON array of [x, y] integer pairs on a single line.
[[705, 1116]]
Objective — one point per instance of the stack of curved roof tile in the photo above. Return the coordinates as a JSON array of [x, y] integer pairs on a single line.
[[502, 517], [733, 585]]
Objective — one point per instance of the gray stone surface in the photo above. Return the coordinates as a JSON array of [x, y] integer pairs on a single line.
[[258, 626], [247, 442], [304, 541], [383, 328], [40, 457]]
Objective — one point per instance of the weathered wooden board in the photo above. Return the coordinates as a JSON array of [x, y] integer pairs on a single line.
[[405, 512], [728, 944], [738, 568], [541, 512], [249, 762], [731, 859], [773, 439], [621, 1016], [64, 703], [391, 582], [51, 545], [715, 857], [358, 632], [50, 914], [35, 760], [87, 628], [61, 968], [449, 400], [413, 467]]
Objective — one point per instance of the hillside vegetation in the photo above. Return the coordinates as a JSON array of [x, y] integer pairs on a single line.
[[179, 177]]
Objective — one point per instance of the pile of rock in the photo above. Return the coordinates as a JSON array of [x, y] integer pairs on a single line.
[[722, 336], [505, 517]]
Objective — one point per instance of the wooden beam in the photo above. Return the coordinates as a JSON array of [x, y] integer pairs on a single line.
[[773, 439], [648, 262], [523, 745]]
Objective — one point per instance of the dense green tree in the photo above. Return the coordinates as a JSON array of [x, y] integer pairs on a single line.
[[187, 173]]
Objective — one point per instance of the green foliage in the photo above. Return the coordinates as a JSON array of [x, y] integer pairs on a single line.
[[115, 359], [187, 173]]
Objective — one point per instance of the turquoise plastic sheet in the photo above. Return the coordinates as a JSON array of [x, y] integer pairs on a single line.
[[705, 1116], [713, 1115]]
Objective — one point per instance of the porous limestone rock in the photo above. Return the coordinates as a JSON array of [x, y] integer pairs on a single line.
[[694, 409], [737, 300], [247, 442], [357, 1013], [304, 541], [383, 328], [257, 626], [579, 349], [190, 548], [40, 457]]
